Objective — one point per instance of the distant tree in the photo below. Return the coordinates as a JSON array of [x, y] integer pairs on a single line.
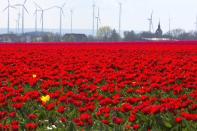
[[176, 33], [114, 36], [130, 36], [195, 35], [167, 35], [91, 38], [146, 34], [187, 36], [104, 33]]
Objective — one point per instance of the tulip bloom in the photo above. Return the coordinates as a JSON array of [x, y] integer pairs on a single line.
[[45, 99]]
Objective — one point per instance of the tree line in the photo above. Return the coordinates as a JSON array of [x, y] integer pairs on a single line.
[[105, 34], [108, 34]]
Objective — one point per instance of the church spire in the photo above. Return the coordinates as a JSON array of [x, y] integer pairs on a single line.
[[159, 32]]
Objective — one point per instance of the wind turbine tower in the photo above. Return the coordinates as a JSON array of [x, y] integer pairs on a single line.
[[36, 19], [120, 16], [93, 6], [42, 19], [151, 22], [18, 22], [71, 21], [169, 26], [196, 24], [98, 20]]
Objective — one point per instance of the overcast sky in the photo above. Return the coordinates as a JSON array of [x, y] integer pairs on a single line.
[[134, 13]]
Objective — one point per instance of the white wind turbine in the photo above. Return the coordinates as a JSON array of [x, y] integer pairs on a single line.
[[196, 24], [151, 22], [98, 20], [71, 21], [8, 16], [18, 22], [42, 14], [23, 13], [36, 18], [120, 3], [61, 12], [93, 16], [120, 17]]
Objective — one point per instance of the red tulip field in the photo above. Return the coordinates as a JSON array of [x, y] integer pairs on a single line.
[[99, 86]]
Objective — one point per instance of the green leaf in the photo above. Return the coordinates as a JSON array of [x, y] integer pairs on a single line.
[[167, 124]]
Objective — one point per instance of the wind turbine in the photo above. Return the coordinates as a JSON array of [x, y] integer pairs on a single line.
[[16, 26], [18, 22], [42, 15], [36, 19], [71, 20], [120, 16], [151, 22], [23, 13], [196, 23], [8, 16], [61, 12], [169, 25], [98, 20], [93, 6]]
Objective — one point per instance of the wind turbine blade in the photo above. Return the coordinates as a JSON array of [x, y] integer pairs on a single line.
[[6, 8], [24, 2], [37, 5], [18, 5], [25, 9], [13, 7], [51, 7], [62, 11]]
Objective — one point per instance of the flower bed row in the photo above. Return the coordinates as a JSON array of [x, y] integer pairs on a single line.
[[98, 87]]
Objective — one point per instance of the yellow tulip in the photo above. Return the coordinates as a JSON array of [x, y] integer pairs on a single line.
[[45, 99]]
